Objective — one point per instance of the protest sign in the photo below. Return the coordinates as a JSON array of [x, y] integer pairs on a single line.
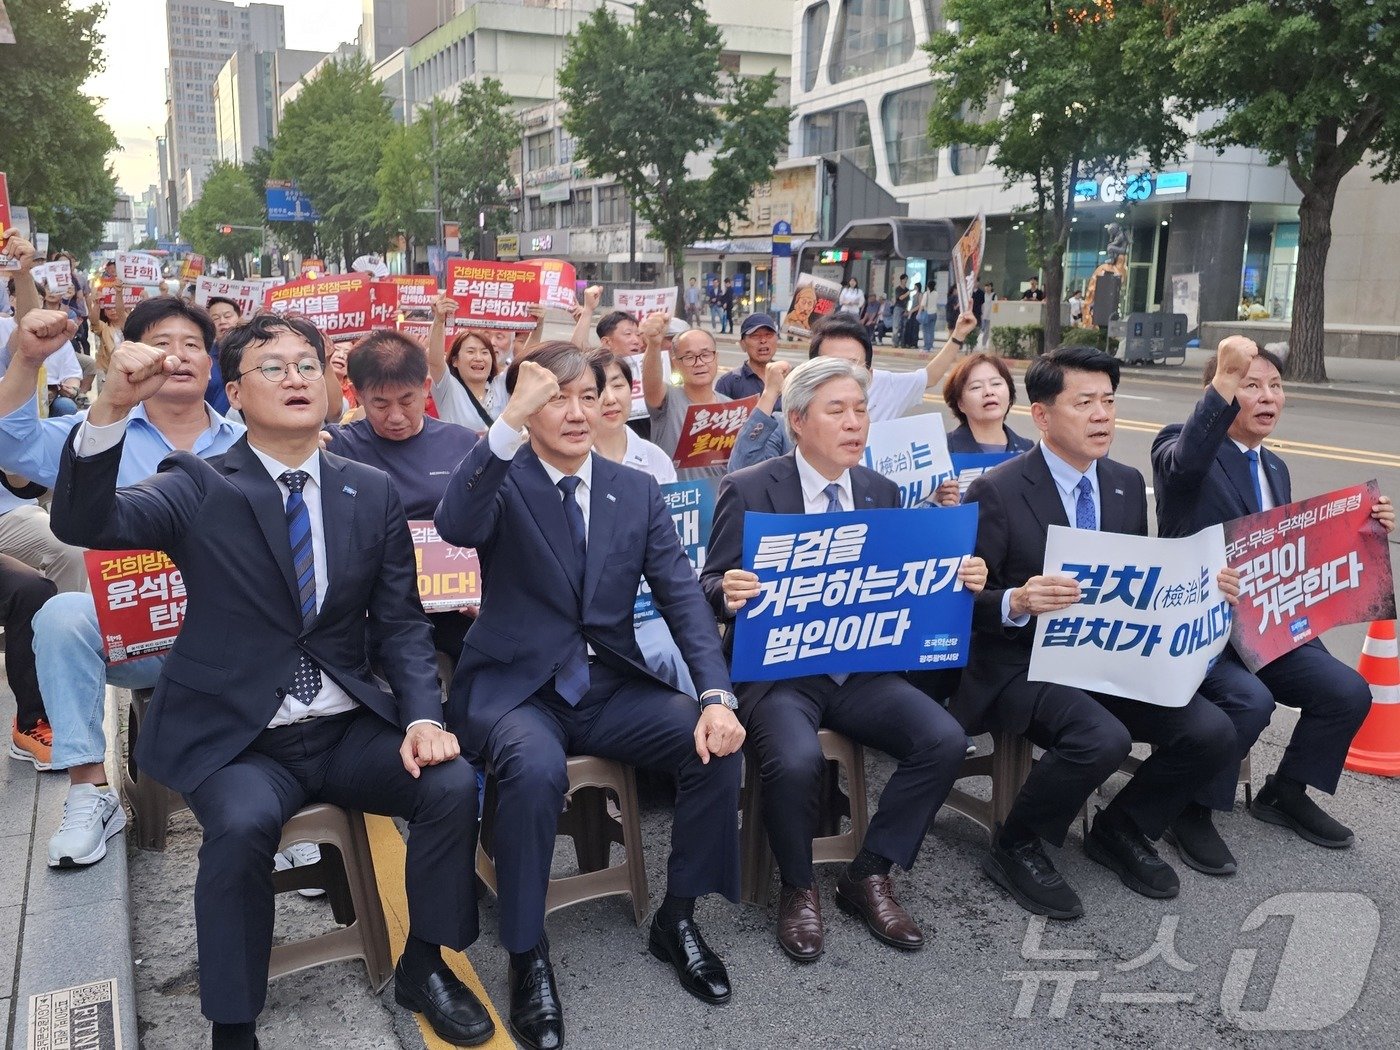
[[54, 276], [416, 330], [249, 295], [191, 267], [1150, 618], [812, 299], [708, 432], [692, 507], [398, 294], [966, 263], [641, 302], [1308, 567], [449, 577], [493, 294], [868, 591], [138, 268], [912, 452], [7, 262], [557, 281], [969, 466], [639, 402], [41, 240], [339, 306], [140, 599], [107, 294]]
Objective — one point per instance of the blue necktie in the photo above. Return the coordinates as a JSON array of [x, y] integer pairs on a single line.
[[572, 679], [1253, 456], [833, 498], [1084, 517], [306, 683]]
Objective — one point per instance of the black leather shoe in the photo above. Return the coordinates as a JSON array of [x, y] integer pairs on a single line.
[[1024, 871], [1199, 844], [1119, 846], [536, 1018], [1290, 807], [451, 1008], [701, 972]]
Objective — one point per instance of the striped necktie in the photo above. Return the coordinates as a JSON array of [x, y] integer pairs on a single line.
[[306, 683]]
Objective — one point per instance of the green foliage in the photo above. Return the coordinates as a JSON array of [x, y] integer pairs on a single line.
[[1019, 341], [1089, 337], [645, 99], [55, 151], [229, 198]]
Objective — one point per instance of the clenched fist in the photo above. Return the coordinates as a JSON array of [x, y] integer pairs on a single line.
[[40, 333], [535, 387]]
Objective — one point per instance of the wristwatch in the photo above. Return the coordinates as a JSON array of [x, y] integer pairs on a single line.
[[719, 696]]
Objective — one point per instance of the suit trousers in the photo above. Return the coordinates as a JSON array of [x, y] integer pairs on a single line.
[[1332, 700], [630, 719], [349, 760], [1086, 736], [879, 710]]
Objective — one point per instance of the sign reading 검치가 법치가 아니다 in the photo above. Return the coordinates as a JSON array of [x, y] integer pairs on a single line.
[[708, 432], [1150, 619], [912, 452], [339, 305], [140, 600], [692, 507], [1308, 567], [449, 577], [871, 590], [493, 294]]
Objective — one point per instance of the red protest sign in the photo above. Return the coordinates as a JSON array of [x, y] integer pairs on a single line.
[[401, 292], [191, 267], [448, 577], [1305, 568], [6, 263], [107, 299], [493, 294], [339, 306], [140, 599], [708, 432], [416, 330], [557, 280]]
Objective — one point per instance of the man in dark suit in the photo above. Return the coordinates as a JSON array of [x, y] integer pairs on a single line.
[[310, 556], [1213, 469], [825, 408], [1069, 479], [551, 668]]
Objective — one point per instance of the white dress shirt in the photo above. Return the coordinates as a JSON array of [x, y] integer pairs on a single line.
[[814, 487], [1266, 494]]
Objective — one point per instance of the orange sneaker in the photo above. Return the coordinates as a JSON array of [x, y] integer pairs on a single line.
[[32, 745]]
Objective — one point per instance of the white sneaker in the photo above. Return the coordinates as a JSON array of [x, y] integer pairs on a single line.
[[91, 815], [299, 855]]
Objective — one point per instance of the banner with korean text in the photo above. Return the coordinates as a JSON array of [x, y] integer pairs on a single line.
[[969, 466], [639, 402], [493, 294], [642, 302], [912, 452], [813, 298], [449, 577], [708, 432], [1150, 618], [140, 599], [399, 294], [873, 590], [339, 305], [1308, 567], [692, 507], [138, 268], [54, 277], [557, 284], [249, 295], [107, 294]]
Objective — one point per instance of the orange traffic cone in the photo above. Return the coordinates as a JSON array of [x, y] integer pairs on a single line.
[[1376, 747]]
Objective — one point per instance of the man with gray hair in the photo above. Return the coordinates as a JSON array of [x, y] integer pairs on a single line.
[[824, 403]]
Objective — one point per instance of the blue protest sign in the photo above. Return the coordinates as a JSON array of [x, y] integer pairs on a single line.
[[969, 466], [912, 452], [692, 507], [285, 203], [867, 591]]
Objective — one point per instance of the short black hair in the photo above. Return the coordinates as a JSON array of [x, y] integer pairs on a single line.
[[226, 301], [611, 321], [607, 357], [148, 313], [386, 358], [262, 328], [838, 326], [1208, 370], [1045, 378], [565, 360]]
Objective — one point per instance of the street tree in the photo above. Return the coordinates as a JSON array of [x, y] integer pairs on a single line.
[[646, 99], [1313, 85], [55, 150], [227, 201], [1060, 90]]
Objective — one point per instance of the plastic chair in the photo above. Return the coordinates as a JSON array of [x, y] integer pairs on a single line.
[[1008, 765], [151, 802]]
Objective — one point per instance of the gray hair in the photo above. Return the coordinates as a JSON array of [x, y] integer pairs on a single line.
[[801, 386]]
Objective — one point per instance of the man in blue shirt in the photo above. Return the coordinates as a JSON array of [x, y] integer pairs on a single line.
[[758, 337]]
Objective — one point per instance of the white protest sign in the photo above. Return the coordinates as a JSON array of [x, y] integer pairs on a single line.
[[1150, 618], [55, 276], [639, 403], [248, 295], [41, 243], [137, 268], [639, 302], [912, 452]]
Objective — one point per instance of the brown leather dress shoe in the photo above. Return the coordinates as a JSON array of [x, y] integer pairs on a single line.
[[800, 930], [873, 900]]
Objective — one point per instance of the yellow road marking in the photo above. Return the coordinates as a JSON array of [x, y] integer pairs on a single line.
[[387, 846]]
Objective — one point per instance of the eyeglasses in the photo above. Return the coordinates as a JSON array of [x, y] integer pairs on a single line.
[[274, 372], [703, 357]]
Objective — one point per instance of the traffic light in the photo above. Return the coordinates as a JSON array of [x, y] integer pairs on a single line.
[[226, 230]]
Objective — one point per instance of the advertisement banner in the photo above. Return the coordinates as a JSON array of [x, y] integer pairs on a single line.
[[140, 599], [449, 577], [812, 299], [1186, 298], [867, 591], [692, 507], [339, 306], [1308, 567], [138, 268], [708, 432], [969, 466], [913, 453], [966, 263], [493, 294], [557, 281], [642, 302], [1150, 619], [249, 295]]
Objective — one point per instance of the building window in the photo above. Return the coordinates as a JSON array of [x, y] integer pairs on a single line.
[[612, 206], [969, 160], [933, 16], [814, 22], [539, 150], [904, 115], [583, 208], [871, 35], [844, 130]]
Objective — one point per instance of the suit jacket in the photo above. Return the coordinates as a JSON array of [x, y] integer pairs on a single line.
[[1201, 478], [532, 612], [1017, 503], [771, 487], [223, 522], [960, 440]]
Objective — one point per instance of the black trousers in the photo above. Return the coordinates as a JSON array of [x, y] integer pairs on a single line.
[[629, 719], [23, 592], [349, 760], [1086, 736], [882, 711]]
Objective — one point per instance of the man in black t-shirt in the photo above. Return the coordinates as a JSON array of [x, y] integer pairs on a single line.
[[1034, 293], [901, 308]]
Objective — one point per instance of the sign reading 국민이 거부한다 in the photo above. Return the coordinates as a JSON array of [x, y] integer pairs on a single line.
[[1150, 618], [692, 507], [874, 590], [912, 452]]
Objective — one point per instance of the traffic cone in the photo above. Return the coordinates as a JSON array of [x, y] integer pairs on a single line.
[[1376, 747]]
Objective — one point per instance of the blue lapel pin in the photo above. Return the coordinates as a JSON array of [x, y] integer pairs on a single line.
[[1118, 492], [348, 490], [611, 498]]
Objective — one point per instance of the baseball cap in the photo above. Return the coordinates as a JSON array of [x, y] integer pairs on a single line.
[[756, 321], [676, 326]]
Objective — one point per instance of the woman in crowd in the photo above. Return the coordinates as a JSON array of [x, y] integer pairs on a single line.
[[471, 392], [980, 392], [851, 299]]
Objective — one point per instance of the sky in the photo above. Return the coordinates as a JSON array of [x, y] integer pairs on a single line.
[[133, 83]]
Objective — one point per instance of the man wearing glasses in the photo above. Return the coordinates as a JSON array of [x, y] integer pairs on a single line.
[[698, 362], [310, 555]]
